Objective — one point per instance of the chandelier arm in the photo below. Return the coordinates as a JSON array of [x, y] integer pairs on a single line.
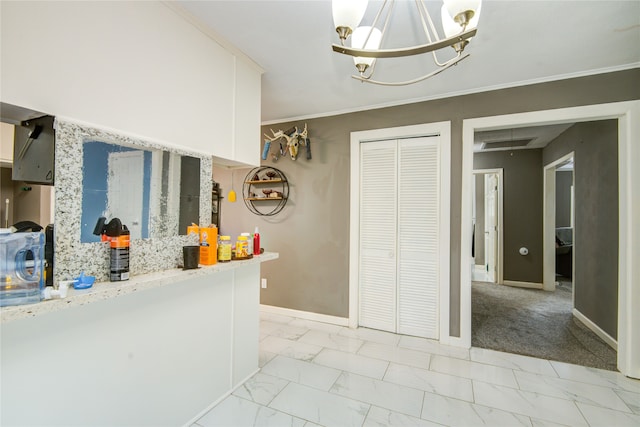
[[386, 20], [377, 18], [435, 59], [422, 9], [375, 22], [442, 64], [388, 17], [424, 12], [454, 61], [405, 51]]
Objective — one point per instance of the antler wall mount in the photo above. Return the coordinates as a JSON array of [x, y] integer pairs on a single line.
[[293, 138]]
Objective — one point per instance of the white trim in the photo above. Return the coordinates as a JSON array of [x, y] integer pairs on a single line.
[[518, 284], [306, 315], [479, 273], [549, 223], [218, 400], [596, 329], [206, 29], [445, 231], [439, 128], [454, 94], [234, 106], [500, 261], [628, 115]]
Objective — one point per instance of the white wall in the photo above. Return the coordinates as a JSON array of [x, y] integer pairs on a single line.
[[136, 67]]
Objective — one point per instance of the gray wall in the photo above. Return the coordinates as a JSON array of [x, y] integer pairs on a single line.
[[522, 204], [596, 217], [312, 234], [564, 181]]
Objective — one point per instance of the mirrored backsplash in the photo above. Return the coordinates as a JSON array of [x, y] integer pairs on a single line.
[[155, 190], [155, 193]]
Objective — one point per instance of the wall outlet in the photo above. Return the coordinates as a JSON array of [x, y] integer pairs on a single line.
[[263, 282]]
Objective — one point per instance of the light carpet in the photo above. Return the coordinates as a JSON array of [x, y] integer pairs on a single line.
[[535, 323]]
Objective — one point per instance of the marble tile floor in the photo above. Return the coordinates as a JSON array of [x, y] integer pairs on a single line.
[[319, 374]]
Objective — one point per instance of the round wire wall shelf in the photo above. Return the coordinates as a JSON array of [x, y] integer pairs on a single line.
[[265, 191]]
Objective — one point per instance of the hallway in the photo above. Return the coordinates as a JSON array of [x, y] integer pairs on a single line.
[[535, 323]]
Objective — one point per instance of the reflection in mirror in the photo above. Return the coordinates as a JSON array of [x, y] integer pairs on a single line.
[[151, 191]]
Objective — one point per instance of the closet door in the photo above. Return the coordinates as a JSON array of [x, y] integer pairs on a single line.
[[378, 236], [418, 236], [399, 236]]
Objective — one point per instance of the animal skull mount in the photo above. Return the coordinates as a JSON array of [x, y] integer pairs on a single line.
[[294, 138]]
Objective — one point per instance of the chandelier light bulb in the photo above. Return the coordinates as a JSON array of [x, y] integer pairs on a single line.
[[347, 15], [450, 27], [358, 41]]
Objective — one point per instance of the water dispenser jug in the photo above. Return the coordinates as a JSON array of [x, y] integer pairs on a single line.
[[21, 268]]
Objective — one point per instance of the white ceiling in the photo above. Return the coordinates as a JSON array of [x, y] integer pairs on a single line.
[[518, 42]]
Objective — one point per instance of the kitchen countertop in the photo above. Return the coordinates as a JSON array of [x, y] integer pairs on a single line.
[[107, 290]]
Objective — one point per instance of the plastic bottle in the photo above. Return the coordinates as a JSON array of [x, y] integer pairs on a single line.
[[250, 240], [224, 249], [256, 242], [242, 247]]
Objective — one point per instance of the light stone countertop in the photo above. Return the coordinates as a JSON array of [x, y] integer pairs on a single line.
[[107, 290]]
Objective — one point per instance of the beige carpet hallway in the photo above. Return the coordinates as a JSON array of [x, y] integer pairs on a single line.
[[535, 323]]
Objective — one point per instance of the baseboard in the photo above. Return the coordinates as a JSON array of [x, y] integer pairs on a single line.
[[479, 273], [596, 329], [454, 342], [529, 285], [306, 315], [218, 400]]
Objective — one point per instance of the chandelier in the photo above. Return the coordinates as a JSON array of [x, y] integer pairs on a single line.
[[459, 21]]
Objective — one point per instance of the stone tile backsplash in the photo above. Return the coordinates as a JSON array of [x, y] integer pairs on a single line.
[[72, 256]]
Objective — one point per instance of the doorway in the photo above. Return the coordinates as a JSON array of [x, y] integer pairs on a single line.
[[558, 224], [487, 246], [627, 114], [125, 171], [542, 323]]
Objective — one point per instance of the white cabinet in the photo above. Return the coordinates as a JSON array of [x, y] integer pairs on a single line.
[[399, 235], [247, 114], [242, 147], [6, 144]]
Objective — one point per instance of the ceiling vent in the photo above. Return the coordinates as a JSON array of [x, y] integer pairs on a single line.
[[494, 145]]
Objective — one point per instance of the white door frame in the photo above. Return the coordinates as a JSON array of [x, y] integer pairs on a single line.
[[628, 115], [549, 225], [500, 259], [444, 130], [132, 191]]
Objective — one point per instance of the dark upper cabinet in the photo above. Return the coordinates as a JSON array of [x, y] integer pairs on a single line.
[[33, 151]]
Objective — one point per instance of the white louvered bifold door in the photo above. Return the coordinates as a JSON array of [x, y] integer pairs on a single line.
[[378, 237], [418, 242]]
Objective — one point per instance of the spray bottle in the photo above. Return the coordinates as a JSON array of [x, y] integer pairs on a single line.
[[118, 236], [256, 242]]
